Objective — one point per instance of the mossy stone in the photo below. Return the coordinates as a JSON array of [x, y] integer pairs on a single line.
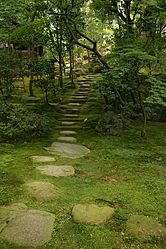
[[91, 214], [145, 228], [41, 191]]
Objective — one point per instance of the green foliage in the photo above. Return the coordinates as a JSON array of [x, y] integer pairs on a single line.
[[157, 94], [44, 72], [11, 67], [127, 90], [17, 123]]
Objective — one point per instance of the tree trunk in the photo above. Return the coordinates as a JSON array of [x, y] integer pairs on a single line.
[[71, 55], [59, 42]]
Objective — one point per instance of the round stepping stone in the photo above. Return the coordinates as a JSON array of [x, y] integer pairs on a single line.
[[43, 158], [42, 191], [91, 214], [57, 171], [68, 132], [67, 139], [145, 228], [72, 151], [31, 228]]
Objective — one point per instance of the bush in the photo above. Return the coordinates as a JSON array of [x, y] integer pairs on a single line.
[[17, 123]]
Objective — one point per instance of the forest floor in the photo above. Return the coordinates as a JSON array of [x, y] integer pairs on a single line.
[[125, 172]]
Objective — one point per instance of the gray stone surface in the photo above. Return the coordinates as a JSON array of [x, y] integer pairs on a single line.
[[72, 151], [71, 115], [80, 97], [68, 132], [57, 171], [74, 104], [67, 139], [91, 214], [85, 85], [42, 191], [145, 228], [9, 212], [68, 123], [30, 228], [43, 158]]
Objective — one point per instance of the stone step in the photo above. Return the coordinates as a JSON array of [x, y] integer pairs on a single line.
[[69, 127], [70, 119], [68, 123], [74, 100], [68, 133], [80, 96], [67, 139], [71, 115], [85, 85], [82, 93], [70, 110], [74, 104]]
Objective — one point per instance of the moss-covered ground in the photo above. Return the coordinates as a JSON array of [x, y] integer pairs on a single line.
[[124, 172]]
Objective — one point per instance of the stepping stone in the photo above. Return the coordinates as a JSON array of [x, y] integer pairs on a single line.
[[68, 127], [79, 100], [29, 228], [68, 123], [72, 151], [83, 92], [68, 132], [74, 104], [85, 85], [91, 214], [42, 191], [43, 158], [145, 228], [57, 171], [53, 104], [67, 139], [71, 110], [71, 115], [80, 97], [7, 213]]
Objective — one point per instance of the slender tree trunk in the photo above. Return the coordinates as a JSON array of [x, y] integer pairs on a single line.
[[59, 42], [31, 76], [71, 55]]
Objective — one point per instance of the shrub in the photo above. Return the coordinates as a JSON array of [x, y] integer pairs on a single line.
[[17, 123]]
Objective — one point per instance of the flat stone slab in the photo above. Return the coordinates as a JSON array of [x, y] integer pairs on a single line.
[[85, 85], [83, 92], [68, 127], [42, 191], [91, 214], [72, 151], [68, 132], [80, 97], [68, 122], [71, 115], [57, 171], [67, 139], [30, 228], [7, 213], [43, 158], [145, 228], [74, 104]]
